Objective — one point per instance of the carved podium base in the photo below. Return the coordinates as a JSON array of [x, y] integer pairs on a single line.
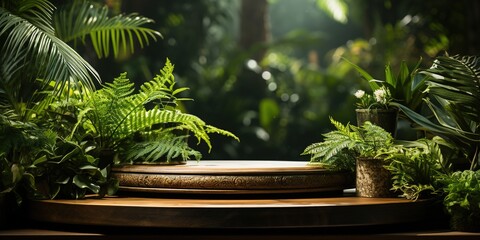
[[231, 177]]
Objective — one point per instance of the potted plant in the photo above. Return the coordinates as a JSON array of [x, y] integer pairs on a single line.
[[462, 200], [417, 167], [376, 109], [407, 88], [357, 149], [454, 103]]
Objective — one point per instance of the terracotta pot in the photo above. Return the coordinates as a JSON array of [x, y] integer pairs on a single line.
[[372, 178], [384, 118]]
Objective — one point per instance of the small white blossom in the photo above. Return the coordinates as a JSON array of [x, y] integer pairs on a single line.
[[359, 93], [380, 95]]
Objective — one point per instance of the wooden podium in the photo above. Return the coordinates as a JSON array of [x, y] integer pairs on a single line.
[[219, 178], [233, 195]]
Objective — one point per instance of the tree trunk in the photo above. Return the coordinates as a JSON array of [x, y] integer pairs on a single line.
[[254, 26]]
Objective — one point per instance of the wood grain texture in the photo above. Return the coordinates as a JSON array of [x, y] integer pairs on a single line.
[[233, 213]]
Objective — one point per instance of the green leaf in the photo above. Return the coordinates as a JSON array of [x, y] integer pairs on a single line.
[[17, 172], [371, 81], [84, 182], [33, 40], [64, 179], [29, 179], [80, 19], [40, 160], [389, 77], [429, 125]]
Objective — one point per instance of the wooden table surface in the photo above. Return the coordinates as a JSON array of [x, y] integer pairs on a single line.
[[231, 213]]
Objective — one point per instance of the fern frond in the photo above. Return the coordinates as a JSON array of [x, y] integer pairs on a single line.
[[374, 133], [165, 147], [161, 89], [120, 88], [116, 115], [212, 129], [339, 126], [334, 142], [329, 148]]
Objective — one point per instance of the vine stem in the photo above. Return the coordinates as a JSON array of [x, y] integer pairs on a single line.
[[474, 160]]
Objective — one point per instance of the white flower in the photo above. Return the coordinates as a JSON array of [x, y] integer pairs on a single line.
[[359, 93], [380, 95]]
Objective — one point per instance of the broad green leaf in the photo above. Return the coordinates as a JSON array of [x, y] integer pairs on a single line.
[[64, 179], [39, 160], [84, 182], [429, 125], [389, 76], [17, 172]]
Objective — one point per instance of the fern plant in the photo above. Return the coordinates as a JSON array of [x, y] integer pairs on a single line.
[[342, 146], [146, 126], [418, 166], [39, 147]]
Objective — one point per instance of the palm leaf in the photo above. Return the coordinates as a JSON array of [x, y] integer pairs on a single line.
[[457, 79], [80, 19], [26, 27], [427, 124]]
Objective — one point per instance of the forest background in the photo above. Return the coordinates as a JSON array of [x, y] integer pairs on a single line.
[[272, 71]]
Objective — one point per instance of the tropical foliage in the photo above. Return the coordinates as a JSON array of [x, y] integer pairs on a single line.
[[41, 156], [406, 87], [462, 200], [340, 147], [35, 50], [303, 56], [28, 34], [37, 162], [80, 19], [454, 101], [418, 168], [143, 126]]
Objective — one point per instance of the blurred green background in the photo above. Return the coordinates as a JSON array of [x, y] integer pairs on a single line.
[[272, 71]]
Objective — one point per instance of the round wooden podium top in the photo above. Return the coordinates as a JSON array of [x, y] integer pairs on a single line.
[[231, 177], [225, 166]]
